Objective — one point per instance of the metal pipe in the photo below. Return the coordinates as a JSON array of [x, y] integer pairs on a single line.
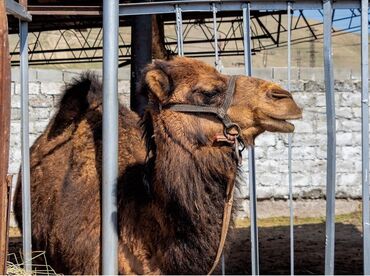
[[331, 140], [18, 10], [290, 141], [365, 132], [217, 57], [162, 7], [179, 33], [251, 156], [26, 193], [110, 138], [223, 264], [247, 40]]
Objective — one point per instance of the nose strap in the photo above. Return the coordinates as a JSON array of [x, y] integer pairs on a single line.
[[220, 112]]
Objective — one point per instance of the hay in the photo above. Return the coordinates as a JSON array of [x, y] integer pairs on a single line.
[[15, 264]]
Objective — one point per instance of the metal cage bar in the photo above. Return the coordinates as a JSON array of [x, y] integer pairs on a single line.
[[25, 149], [290, 141], [365, 132], [251, 155], [110, 138], [179, 32], [217, 57], [331, 139]]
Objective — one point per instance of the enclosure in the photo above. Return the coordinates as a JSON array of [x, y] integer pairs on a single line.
[[327, 157]]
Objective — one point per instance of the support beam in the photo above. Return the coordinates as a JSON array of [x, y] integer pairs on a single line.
[[18, 10], [162, 7], [64, 10], [141, 55], [110, 138], [4, 130]]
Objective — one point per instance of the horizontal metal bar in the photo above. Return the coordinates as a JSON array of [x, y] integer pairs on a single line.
[[225, 5], [64, 10], [17, 10]]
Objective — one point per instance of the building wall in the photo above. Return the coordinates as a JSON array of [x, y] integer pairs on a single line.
[[309, 139]]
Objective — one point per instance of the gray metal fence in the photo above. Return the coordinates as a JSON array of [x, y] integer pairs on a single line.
[[111, 12]]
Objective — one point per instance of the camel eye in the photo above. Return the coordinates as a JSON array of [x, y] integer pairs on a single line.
[[212, 94]]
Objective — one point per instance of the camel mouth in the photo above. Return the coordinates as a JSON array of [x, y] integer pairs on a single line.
[[279, 123], [285, 117]]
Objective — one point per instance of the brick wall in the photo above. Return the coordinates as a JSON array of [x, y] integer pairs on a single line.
[[309, 140]]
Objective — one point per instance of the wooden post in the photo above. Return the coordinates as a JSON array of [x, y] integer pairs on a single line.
[[4, 133]]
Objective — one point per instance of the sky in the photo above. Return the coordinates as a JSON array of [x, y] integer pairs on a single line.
[[339, 14]]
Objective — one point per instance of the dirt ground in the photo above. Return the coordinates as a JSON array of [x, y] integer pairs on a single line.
[[274, 242]]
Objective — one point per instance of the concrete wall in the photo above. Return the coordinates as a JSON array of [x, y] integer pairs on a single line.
[[309, 140]]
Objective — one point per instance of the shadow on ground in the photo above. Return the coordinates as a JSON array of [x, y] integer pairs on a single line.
[[309, 250]]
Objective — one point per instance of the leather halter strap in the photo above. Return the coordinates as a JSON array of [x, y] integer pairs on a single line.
[[221, 113]]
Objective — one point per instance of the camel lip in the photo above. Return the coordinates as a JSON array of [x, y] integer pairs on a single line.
[[285, 117], [280, 125]]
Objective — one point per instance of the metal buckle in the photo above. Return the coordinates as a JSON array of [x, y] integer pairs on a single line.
[[231, 126]]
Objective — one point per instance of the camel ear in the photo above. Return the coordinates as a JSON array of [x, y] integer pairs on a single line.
[[158, 84]]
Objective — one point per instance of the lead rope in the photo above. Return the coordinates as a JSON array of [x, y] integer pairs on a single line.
[[225, 223]]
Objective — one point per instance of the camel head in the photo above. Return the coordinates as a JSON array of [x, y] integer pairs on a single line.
[[257, 105]]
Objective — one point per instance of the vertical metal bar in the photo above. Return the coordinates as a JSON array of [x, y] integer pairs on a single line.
[[365, 132], [179, 32], [215, 32], [331, 140], [110, 137], [5, 109], [26, 194], [223, 264], [247, 40], [251, 157], [290, 140]]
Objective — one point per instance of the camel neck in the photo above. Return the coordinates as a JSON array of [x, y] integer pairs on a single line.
[[190, 188]]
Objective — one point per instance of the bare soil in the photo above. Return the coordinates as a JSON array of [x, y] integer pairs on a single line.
[[274, 240]]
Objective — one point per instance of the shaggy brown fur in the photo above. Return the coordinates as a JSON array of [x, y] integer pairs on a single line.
[[170, 208]]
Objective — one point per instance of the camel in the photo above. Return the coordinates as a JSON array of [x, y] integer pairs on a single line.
[[174, 169]]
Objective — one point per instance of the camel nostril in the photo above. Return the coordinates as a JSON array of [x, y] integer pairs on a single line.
[[279, 94]]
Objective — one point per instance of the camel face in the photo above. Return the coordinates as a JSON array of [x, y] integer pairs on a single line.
[[263, 105], [257, 105]]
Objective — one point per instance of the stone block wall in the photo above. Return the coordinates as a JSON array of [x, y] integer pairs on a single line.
[[309, 139]]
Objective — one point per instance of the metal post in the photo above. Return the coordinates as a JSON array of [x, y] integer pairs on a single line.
[[141, 55], [26, 194], [180, 39], [290, 140], [110, 138], [331, 140], [251, 158], [365, 132], [223, 264], [217, 57], [4, 137]]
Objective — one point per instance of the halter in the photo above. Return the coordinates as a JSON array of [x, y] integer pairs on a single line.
[[221, 113]]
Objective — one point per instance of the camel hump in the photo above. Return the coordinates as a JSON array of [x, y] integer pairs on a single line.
[[81, 95]]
